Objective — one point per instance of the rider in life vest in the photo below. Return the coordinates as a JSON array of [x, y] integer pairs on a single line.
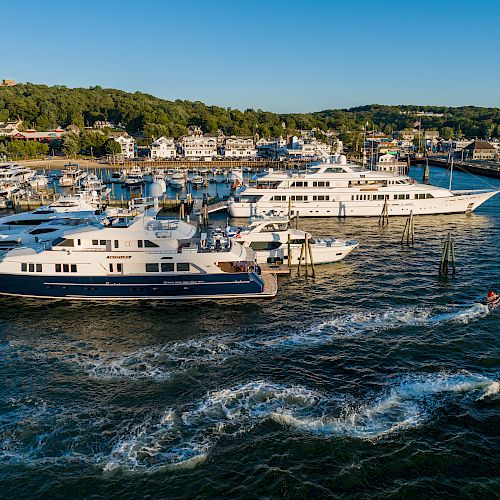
[[492, 296]]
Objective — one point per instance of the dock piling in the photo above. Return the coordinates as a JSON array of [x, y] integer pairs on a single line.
[[448, 257], [383, 219], [409, 230]]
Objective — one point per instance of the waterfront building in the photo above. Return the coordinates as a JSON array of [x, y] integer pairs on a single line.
[[239, 147], [7, 83], [196, 145], [33, 135], [308, 147], [163, 147], [391, 163], [271, 148], [127, 145], [480, 150]]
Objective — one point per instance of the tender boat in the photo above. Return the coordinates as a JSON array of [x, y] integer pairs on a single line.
[[268, 237], [178, 180], [72, 176], [197, 181], [336, 189], [134, 178]]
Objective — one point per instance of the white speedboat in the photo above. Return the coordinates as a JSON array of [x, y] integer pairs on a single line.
[[268, 237], [178, 180], [39, 181], [134, 178], [13, 173], [72, 176], [117, 176], [197, 181], [336, 189], [132, 259]]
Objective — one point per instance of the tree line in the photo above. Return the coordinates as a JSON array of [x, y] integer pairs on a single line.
[[43, 107]]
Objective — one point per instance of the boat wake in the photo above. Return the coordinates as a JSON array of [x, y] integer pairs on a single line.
[[35, 431], [367, 322], [184, 438], [158, 362]]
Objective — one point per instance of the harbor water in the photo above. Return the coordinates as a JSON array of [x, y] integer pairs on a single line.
[[375, 378]]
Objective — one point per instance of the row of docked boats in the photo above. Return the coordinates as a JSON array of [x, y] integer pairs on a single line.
[[76, 249]]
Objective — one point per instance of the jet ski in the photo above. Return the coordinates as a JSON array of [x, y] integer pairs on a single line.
[[492, 301]]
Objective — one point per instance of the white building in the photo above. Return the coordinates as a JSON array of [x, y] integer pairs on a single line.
[[198, 146], [164, 147], [304, 147], [239, 147], [127, 145]]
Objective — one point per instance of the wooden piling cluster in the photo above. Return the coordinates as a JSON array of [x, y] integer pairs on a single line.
[[383, 219], [447, 257], [409, 231], [306, 257]]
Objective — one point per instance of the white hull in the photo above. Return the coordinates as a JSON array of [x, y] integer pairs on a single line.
[[321, 254], [445, 205]]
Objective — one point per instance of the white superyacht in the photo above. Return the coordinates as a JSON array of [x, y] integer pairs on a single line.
[[336, 189]]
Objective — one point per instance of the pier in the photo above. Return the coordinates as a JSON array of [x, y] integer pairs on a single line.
[[489, 169]]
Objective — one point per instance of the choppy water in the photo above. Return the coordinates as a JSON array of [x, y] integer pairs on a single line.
[[376, 378]]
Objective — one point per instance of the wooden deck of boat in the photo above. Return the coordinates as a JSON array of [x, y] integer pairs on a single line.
[[274, 269], [270, 285]]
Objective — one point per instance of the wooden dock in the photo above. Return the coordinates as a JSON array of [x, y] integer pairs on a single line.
[[274, 269], [488, 169]]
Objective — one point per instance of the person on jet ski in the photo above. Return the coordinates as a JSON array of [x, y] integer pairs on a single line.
[[492, 296]]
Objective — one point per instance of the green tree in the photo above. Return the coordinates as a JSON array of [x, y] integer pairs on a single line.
[[111, 147], [446, 133], [70, 144]]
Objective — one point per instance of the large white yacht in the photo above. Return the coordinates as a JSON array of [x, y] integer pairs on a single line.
[[134, 258], [335, 188], [12, 173], [268, 237]]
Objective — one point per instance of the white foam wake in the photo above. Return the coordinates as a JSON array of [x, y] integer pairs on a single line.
[[372, 321], [185, 437]]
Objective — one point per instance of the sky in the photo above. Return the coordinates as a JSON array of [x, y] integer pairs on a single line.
[[281, 56]]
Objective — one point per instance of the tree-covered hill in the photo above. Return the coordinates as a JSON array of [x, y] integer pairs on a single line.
[[45, 107]]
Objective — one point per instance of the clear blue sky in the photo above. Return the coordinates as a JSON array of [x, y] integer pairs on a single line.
[[282, 56]]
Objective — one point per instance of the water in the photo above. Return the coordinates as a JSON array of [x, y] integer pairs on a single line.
[[376, 378]]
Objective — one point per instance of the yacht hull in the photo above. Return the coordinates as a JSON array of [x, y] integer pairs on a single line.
[[453, 204], [224, 285]]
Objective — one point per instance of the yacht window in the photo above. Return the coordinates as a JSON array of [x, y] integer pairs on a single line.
[[167, 267], [183, 266], [320, 184], [296, 242], [24, 267], [279, 198], [102, 242], [42, 230], [95, 242], [65, 268], [150, 244], [139, 243], [116, 243], [58, 268], [119, 268], [429, 195], [63, 242], [265, 245], [152, 268], [79, 242], [352, 197], [31, 268], [111, 268], [39, 268]]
